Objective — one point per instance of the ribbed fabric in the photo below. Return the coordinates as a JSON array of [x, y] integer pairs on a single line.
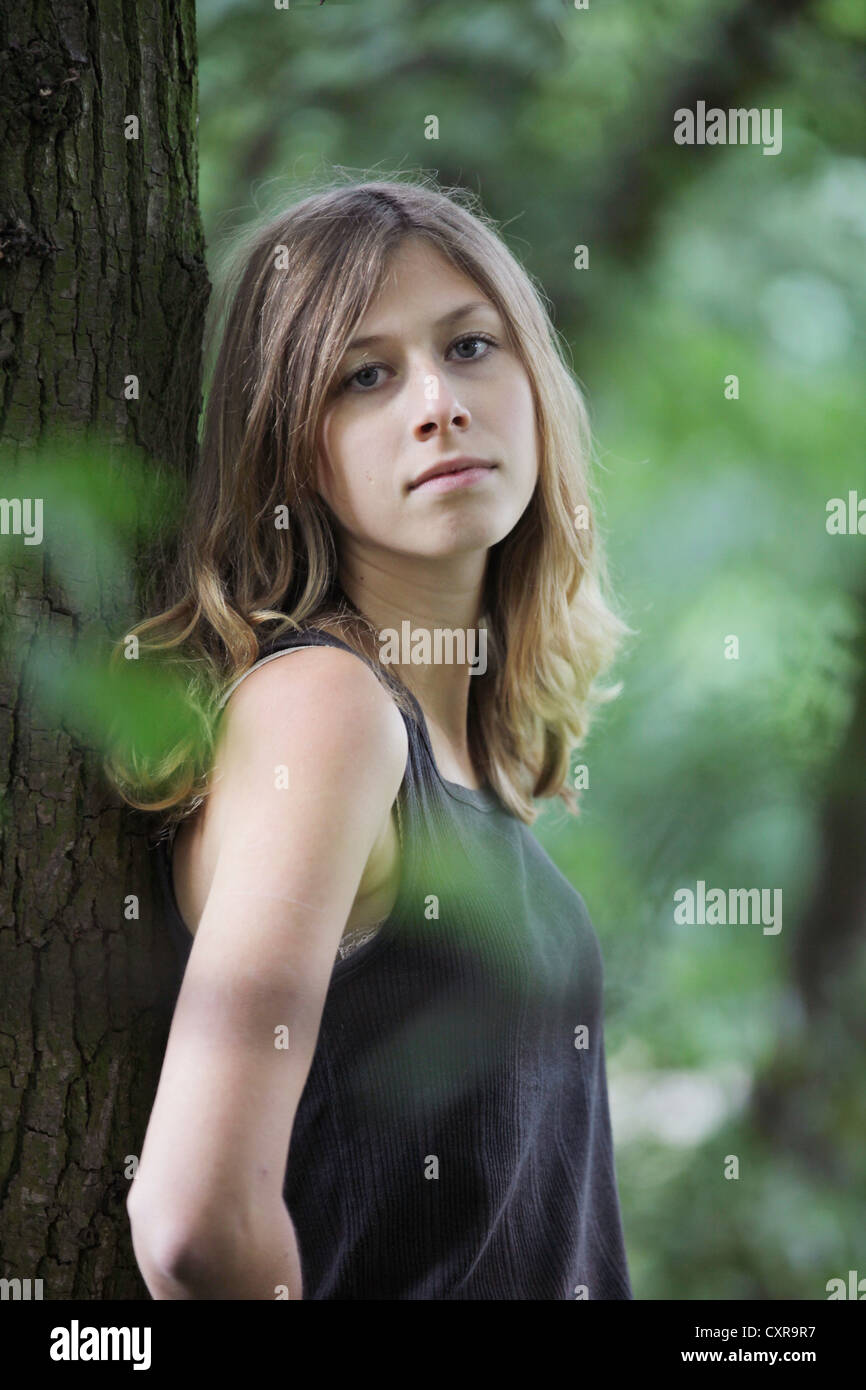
[[452, 1140]]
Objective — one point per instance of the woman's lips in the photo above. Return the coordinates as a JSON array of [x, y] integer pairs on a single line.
[[448, 482]]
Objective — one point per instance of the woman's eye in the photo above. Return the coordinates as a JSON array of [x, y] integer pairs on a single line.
[[360, 372], [475, 338], [374, 367]]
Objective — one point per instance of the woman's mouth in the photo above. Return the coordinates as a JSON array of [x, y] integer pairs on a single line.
[[459, 478]]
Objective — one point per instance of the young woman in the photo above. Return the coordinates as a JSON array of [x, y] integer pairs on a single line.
[[385, 1075]]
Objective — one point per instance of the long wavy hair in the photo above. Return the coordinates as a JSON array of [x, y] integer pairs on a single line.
[[256, 555]]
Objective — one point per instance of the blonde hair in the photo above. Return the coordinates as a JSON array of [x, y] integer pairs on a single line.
[[298, 286]]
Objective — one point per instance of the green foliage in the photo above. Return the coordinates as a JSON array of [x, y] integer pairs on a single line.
[[99, 506]]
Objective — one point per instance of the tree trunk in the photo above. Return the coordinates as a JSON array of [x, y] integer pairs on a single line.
[[102, 277], [816, 1067]]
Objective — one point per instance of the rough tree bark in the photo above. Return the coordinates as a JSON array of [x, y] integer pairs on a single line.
[[102, 275]]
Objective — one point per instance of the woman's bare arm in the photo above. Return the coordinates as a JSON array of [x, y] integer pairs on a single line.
[[270, 1268], [206, 1206]]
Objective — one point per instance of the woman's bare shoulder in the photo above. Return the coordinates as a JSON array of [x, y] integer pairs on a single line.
[[306, 720]]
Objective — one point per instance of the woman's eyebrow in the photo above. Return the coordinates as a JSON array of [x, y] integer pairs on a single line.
[[450, 317]]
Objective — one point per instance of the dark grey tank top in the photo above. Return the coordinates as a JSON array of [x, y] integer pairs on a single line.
[[453, 1138]]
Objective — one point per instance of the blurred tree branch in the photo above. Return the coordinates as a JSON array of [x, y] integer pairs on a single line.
[[737, 57]]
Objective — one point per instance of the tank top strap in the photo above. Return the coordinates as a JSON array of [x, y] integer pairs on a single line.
[[425, 792]]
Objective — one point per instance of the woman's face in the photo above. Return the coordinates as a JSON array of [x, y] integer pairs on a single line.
[[429, 389]]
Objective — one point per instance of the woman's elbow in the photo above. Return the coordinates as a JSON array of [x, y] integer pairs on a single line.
[[174, 1259]]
